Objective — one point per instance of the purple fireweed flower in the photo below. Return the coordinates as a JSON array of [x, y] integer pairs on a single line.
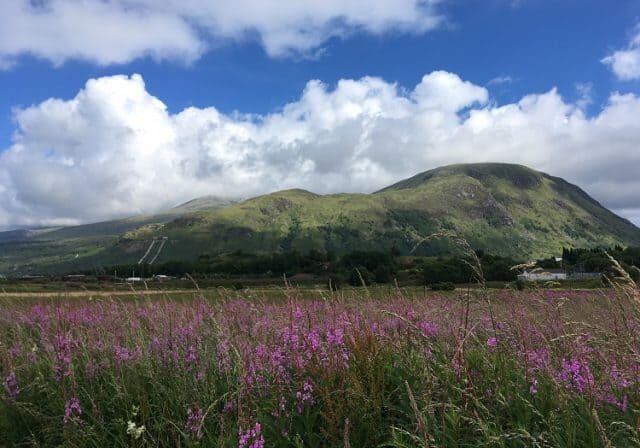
[[492, 342], [622, 404], [222, 355], [576, 375], [277, 358], [305, 396], [261, 351], [617, 378], [335, 337], [121, 355], [313, 339], [62, 362], [72, 410], [290, 337], [251, 438], [92, 368], [10, 384], [298, 313], [282, 407], [15, 351], [229, 407], [457, 365], [195, 416], [533, 388], [538, 359], [428, 329], [191, 357]]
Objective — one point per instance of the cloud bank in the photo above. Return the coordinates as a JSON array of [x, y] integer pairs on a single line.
[[115, 150], [625, 64], [119, 31]]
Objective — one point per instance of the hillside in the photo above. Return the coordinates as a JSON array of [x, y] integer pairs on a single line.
[[503, 209], [82, 246], [500, 208]]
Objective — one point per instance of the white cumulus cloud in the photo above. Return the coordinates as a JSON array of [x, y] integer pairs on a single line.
[[115, 150], [119, 31], [625, 63]]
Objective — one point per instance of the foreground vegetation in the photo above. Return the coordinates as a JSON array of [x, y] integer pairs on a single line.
[[474, 368]]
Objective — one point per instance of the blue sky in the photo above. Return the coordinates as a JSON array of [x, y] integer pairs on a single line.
[[509, 48], [538, 44]]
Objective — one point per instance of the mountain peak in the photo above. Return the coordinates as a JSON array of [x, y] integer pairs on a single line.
[[519, 176]]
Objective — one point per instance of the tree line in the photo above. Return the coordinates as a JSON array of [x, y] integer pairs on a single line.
[[353, 268]]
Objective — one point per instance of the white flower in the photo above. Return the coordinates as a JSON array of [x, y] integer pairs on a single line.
[[133, 430]]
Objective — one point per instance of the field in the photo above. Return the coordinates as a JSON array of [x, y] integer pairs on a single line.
[[304, 368]]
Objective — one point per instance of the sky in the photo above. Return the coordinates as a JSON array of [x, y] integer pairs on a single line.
[[110, 108]]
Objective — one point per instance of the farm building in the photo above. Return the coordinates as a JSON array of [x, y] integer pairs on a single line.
[[543, 275]]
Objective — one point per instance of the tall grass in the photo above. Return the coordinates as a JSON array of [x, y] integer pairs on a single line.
[[470, 368]]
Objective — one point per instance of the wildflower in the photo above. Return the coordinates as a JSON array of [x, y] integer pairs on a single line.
[[617, 378], [290, 337], [135, 431], [282, 407], [305, 396], [222, 355], [313, 340], [277, 358], [297, 313], [428, 329], [72, 410], [492, 342], [538, 359], [251, 438], [457, 365], [92, 368], [622, 404], [62, 363], [335, 337], [533, 389], [576, 375], [195, 416], [15, 351], [122, 355], [11, 385], [191, 356], [229, 407]]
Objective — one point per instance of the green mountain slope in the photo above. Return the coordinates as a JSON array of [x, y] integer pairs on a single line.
[[84, 246], [503, 209], [500, 208]]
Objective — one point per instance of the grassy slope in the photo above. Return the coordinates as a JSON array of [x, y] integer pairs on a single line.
[[84, 246], [504, 209]]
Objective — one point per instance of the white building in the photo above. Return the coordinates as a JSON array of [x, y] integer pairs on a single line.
[[543, 275]]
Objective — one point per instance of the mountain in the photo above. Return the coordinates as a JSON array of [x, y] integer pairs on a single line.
[[43, 249], [500, 208]]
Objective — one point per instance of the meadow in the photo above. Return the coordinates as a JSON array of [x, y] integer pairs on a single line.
[[355, 368]]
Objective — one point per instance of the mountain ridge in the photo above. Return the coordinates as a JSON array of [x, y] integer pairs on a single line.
[[503, 209], [492, 205]]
